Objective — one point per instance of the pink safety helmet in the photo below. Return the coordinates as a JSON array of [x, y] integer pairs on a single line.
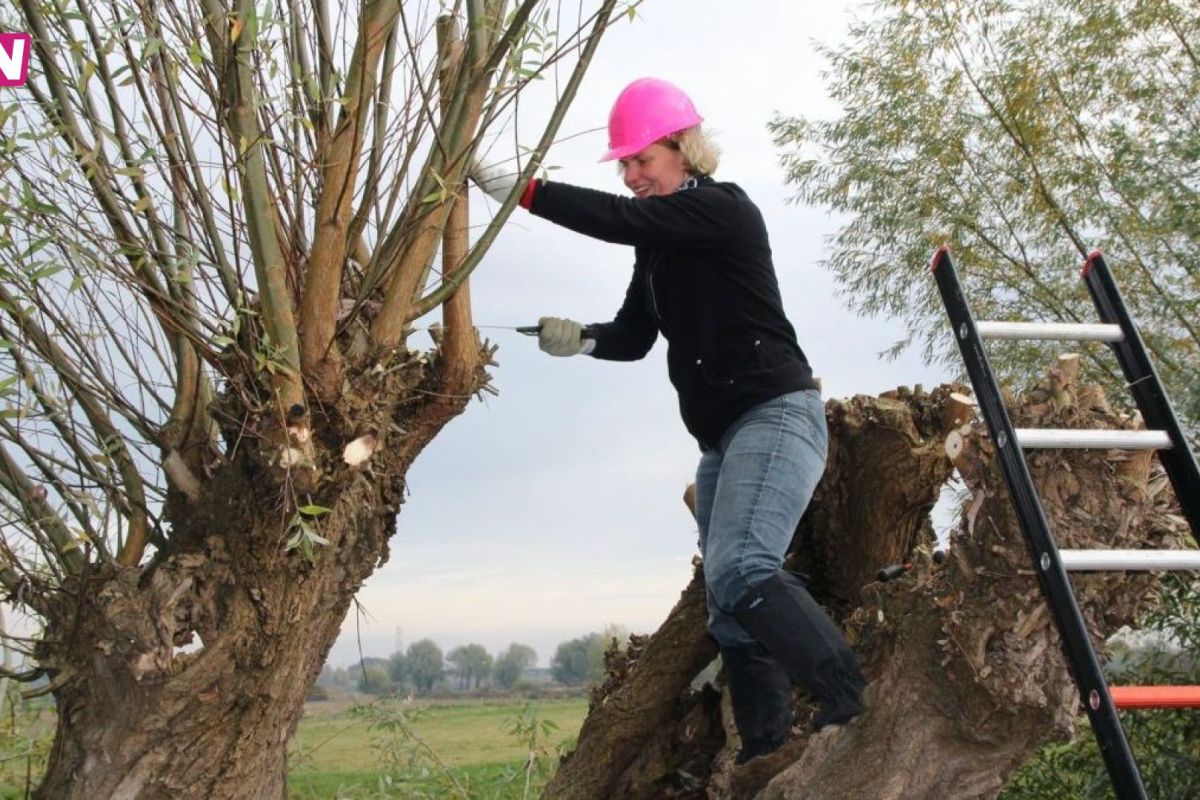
[[647, 110]]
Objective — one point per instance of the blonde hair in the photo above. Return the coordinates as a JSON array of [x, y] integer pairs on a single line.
[[700, 153]]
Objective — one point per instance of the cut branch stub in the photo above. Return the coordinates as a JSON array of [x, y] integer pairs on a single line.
[[958, 410]]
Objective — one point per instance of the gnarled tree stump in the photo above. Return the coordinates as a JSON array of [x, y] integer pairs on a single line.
[[967, 673]]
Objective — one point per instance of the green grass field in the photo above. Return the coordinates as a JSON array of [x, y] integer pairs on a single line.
[[462, 749], [453, 749]]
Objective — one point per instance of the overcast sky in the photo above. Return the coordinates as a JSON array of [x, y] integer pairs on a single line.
[[555, 509]]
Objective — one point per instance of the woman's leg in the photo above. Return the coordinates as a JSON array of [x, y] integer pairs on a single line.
[[722, 625], [771, 460], [759, 686]]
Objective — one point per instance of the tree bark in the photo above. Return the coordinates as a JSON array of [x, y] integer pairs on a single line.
[[460, 343], [141, 718], [625, 714], [967, 676]]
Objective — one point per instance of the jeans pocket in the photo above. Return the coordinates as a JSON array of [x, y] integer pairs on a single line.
[[815, 411]]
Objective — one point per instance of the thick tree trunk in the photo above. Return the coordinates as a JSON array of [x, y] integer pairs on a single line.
[[967, 675], [148, 723], [141, 718], [624, 715]]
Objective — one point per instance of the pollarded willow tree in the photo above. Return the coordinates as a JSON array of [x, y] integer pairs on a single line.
[[1023, 134], [218, 224]]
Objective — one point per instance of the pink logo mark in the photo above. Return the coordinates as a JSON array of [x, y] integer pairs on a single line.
[[14, 58]]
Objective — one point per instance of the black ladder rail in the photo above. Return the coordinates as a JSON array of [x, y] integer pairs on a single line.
[[1056, 587], [1147, 389]]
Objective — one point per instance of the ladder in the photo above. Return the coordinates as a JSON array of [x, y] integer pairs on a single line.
[[1051, 564]]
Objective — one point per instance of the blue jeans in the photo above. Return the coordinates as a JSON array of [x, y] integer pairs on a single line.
[[751, 490]]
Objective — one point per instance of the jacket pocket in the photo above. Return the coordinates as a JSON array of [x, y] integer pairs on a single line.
[[748, 361], [713, 374]]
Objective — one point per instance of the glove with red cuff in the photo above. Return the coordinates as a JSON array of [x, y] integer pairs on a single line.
[[498, 182]]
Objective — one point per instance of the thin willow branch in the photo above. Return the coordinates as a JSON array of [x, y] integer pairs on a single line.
[[134, 496], [512, 34], [301, 63], [24, 676], [270, 269], [379, 125], [188, 420], [1184, 43], [1046, 295], [327, 91], [53, 477], [1039, 182], [121, 135], [451, 283], [1082, 134], [63, 549], [306, 94], [88, 360], [62, 420], [90, 163], [230, 282], [387, 253]]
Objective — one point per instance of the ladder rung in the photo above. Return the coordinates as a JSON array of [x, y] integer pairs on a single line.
[[1155, 696], [1069, 438], [1129, 560], [1063, 331]]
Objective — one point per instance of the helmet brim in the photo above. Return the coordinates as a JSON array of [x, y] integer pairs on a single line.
[[633, 148]]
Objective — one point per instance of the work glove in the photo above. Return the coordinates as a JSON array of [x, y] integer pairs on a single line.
[[563, 337], [497, 180]]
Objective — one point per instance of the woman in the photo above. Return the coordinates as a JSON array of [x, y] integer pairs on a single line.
[[704, 279]]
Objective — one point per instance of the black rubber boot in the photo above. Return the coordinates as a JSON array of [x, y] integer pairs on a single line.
[[782, 615], [761, 693]]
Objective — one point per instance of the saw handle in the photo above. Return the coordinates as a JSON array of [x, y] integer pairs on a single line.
[[589, 332]]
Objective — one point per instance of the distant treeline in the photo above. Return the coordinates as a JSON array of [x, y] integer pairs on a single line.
[[423, 668]]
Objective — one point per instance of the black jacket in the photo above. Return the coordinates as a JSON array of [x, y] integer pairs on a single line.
[[703, 277]]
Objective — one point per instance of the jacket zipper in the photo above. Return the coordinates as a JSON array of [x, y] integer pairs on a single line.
[[653, 300]]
